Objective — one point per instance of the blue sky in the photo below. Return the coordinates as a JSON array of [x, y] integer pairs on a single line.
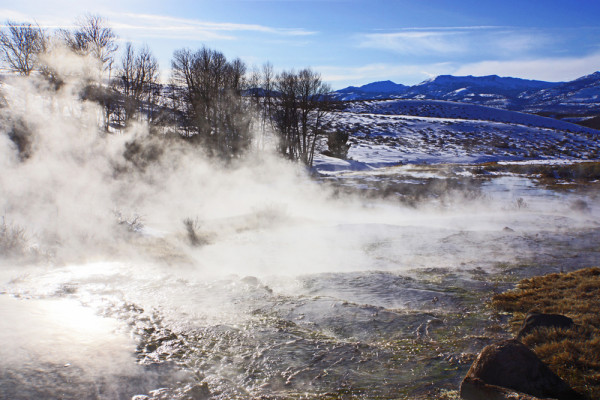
[[353, 42]]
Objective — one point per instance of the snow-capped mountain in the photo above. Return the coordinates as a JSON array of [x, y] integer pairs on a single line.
[[375, 90], [575, 97], [581, 96], [487, 90]]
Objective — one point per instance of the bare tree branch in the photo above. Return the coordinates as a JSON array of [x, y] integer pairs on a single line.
[[138, 77], [94, 37], [300, 112], [20, 45], [214, 111]]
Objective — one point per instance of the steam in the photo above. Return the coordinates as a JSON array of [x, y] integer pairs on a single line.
[[76, 189], [67, 182], [82, 194]]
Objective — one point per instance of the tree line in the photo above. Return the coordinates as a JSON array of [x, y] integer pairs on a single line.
[[210, 101]]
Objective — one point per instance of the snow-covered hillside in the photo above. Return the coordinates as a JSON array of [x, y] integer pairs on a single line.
[[372, 90], [448, 109], [581, 96], [390, 132]]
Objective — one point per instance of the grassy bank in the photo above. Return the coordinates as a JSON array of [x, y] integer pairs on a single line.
[[573, 354]]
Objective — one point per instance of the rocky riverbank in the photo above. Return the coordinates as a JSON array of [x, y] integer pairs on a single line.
[[557, 355]]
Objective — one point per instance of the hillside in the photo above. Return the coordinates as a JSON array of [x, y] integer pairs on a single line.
[[390, 132], [581, 96], [578, 97]]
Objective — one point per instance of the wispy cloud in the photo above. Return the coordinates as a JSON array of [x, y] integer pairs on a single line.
[[45, 22], [12, 15], [167, 27], [415, 42], [172, 27], [456, 41]]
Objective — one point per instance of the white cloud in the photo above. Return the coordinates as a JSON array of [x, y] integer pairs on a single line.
[[173, 27], [416, 42], [515, 42], [457, 41], [547, 69], [164, 27], [13, 16]]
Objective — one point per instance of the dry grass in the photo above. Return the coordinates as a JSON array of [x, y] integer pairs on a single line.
[[573, 354]]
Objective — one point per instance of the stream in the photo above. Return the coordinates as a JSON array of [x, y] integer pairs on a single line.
[[378, 299]]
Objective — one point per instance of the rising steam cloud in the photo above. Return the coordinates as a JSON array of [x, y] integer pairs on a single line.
[[68, 183], [78, 192]]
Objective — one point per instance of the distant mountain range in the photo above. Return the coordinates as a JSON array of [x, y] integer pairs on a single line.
[[580, 97]]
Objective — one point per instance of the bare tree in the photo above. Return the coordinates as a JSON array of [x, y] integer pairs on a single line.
[[93, 36], [256, 93], [214, 111], [314, 103], [285, 114], [138, 80], [300, 113], [254, 83], [268, 77], [20, 46]]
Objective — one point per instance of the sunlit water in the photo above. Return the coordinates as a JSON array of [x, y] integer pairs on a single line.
[[377, 306]]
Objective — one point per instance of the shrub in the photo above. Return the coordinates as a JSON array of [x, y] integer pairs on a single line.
[[13, 241], [192, 227], [133, 223], [337, 144]]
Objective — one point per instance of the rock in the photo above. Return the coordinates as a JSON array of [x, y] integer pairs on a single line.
[[473, 388], [537, 320], [581, 206], [199, 392], [509, 366], [423, 330]]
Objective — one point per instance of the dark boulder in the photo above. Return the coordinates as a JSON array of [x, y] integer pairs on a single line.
[[199, 392], [537, 320], [473, 388], [512, 365]]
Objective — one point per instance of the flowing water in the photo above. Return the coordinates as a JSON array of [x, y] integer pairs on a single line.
[[374, 299]]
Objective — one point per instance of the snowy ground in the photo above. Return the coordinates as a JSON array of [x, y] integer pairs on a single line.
[[392, 132]]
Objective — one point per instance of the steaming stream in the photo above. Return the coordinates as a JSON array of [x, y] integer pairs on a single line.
[[275, 287], [379, 300]]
